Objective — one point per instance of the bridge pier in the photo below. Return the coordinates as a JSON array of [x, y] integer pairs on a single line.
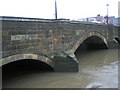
[[65, 62], [113, 45]]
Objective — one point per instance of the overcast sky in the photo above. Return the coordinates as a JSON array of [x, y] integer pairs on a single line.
[[70, 9]]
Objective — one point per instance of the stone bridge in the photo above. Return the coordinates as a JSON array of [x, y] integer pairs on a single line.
[[53, 42]]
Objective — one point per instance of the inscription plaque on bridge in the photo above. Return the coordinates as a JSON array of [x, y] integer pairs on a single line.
[[24, 37]]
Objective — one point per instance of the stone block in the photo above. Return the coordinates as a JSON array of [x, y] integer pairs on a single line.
[[65, 63]]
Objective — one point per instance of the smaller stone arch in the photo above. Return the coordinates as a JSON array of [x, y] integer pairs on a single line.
[[90, 34], [18, 57], [117, 39]]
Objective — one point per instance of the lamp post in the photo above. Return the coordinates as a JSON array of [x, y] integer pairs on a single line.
[[55, 9], [107, 13]]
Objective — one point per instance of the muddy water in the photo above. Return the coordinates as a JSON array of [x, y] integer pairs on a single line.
[[96, 69]]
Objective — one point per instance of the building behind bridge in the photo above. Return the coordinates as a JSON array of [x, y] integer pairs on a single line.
[[101, 19]]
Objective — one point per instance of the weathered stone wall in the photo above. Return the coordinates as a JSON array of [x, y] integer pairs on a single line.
[[53, 39], [35, 37]]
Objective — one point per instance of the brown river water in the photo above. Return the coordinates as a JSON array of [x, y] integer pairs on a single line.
[[97, 69]]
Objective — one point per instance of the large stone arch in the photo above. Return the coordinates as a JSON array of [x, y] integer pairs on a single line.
[[88, 35], [18, 57]]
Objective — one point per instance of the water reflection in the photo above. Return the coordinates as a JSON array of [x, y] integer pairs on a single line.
[[97, 69]]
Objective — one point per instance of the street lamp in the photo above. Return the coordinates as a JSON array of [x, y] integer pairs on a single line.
[[107, 13], [55, 9]]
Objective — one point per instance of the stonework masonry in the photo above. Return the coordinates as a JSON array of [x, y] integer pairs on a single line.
[[51, 41]]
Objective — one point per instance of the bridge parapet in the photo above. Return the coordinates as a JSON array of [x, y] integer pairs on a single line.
[[52, 39]]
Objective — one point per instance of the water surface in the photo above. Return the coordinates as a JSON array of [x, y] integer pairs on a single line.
[[97, 69]]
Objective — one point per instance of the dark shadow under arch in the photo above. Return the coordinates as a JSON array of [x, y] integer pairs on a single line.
[[91, 43], [24, 67], [29, 64], [94, 42]]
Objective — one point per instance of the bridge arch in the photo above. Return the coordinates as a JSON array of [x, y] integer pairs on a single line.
[[117, 39], [87, 36], [20, 57]]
